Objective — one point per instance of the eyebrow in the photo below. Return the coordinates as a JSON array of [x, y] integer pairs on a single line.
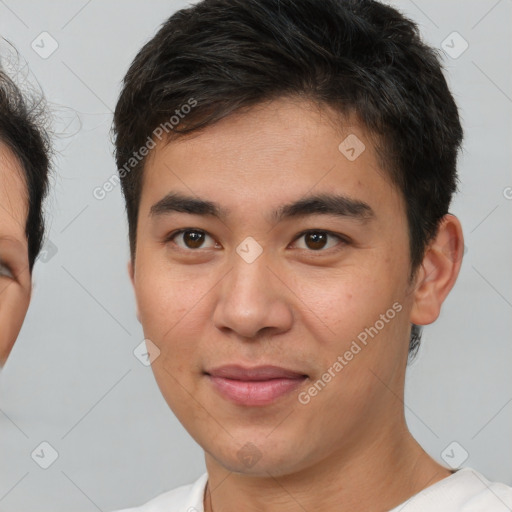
[[324, 204]]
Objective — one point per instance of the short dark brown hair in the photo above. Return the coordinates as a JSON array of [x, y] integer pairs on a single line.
[[356, 56]]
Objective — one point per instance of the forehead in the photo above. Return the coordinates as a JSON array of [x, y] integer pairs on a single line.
[[13, 196], [272, 153]]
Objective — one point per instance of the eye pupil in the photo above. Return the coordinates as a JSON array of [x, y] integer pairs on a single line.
[[193, 239], [318, 239]]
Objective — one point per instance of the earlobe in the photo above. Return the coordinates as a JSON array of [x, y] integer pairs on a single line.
[[131, 273], [439, 271]]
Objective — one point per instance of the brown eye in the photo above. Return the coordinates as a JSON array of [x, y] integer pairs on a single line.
[[193, 239], [318, 240], [190, 239]]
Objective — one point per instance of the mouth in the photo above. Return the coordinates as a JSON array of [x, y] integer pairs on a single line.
[[257, 386]]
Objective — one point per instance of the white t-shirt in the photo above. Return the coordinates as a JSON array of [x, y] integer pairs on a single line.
[[464, 491]]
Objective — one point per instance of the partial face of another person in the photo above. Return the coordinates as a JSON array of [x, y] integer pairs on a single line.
[[307, 255], [15, 281]]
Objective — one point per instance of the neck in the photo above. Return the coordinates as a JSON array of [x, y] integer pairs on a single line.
[[382, 475]]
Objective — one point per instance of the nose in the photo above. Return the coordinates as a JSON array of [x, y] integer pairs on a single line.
[[252, 300]]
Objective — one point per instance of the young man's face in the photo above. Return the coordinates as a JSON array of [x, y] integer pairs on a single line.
[[300, 306]]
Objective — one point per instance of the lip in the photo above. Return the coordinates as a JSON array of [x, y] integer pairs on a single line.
[[256, 386]]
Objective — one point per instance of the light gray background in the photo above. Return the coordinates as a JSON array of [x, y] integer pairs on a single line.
[[72, 379]]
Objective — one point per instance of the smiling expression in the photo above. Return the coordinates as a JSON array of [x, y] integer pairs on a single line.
[[262, 253]]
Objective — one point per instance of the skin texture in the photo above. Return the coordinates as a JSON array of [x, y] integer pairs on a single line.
[[295, 307], [15, 282]]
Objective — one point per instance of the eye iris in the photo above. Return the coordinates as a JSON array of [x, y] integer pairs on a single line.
[[193, 239], [318, 240]]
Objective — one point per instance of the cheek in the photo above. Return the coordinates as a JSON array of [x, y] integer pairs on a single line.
[[13, 308], [367, 325], [169, 307], [346, 301], [169, 320]]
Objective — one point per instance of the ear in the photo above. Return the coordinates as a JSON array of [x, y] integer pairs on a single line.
[[14, 301], [439, 271], [131, 273]]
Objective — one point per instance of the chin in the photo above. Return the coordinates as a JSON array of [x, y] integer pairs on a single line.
[[256, 454]]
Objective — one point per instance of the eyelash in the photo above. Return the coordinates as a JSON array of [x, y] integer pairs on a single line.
[[344, 240]]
